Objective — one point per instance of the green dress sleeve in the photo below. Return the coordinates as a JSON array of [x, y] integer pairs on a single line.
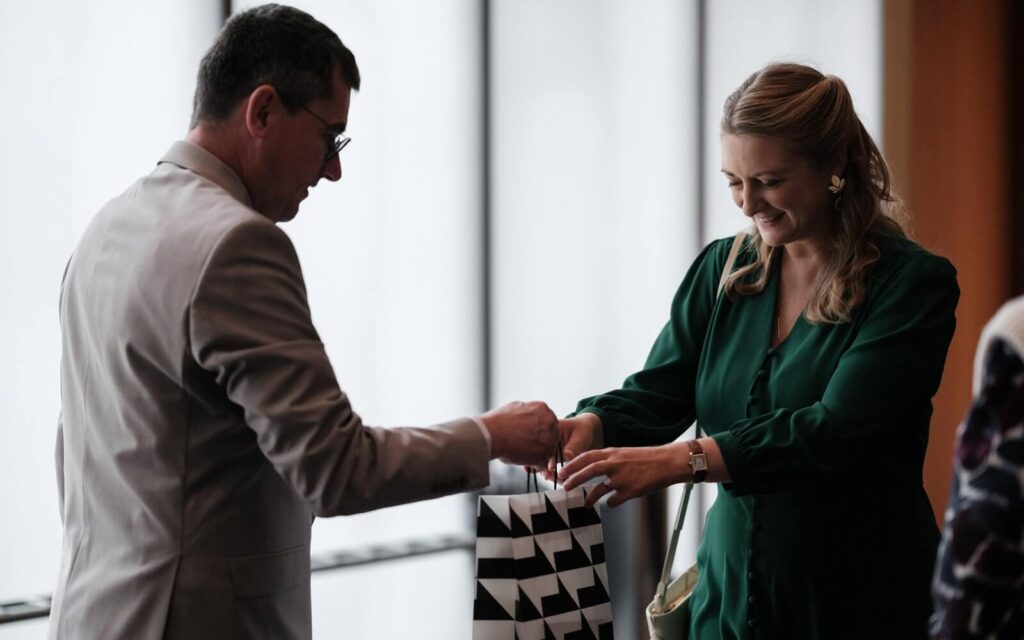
[[879, 392], [656, 404]]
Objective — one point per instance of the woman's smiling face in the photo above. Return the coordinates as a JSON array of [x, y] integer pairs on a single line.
[[787, 198]]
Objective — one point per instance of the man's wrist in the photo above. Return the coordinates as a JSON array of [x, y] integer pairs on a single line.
[[486, 433]]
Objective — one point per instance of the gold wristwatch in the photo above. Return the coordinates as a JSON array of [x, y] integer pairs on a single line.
[[698, 461]]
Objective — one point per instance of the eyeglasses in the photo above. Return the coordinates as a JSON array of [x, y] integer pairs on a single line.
[[340, 140]]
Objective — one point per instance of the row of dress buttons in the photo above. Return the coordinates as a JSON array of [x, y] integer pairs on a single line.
[[759, 379]]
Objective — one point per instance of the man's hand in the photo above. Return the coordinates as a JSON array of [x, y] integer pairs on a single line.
[[523, 433]]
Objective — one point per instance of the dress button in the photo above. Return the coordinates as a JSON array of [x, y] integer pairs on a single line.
[[751, 600], [762, 374], [751, 623], [751, 575], [751, 399], [750, 552]]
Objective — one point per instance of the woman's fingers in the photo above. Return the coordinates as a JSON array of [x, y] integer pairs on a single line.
[[630, 472], [618, 497], [548, 472], [586, 467], [597, 492], [581, 461]]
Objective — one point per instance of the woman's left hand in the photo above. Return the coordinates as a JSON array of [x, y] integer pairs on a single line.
[[631, 472]]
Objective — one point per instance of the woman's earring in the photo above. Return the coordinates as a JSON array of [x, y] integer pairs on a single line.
[[838, 184]]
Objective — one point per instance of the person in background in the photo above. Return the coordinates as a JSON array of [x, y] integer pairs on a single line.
[[811, 375], [978, 589], [202, 426]]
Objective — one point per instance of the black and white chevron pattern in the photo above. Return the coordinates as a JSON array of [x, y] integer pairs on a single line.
[[540, 570]]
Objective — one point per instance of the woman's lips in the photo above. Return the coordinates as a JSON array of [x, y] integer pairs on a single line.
[[764, 218]]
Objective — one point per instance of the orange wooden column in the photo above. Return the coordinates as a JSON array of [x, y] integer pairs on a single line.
[[947, 135]]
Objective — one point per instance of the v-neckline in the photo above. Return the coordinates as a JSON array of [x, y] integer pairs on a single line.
[[774, 281]]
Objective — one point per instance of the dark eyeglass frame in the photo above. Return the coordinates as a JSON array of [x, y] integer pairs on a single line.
[[340, 140]]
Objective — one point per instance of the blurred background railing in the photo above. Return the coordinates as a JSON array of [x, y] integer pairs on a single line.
[[39, 607]]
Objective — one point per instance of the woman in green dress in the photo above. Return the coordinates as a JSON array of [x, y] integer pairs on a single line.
[[811, 375]]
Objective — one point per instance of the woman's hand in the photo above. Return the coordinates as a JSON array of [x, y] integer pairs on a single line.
[[579, 434], [631, 472]]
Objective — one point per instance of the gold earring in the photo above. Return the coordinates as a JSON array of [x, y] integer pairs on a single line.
[[837, 184]]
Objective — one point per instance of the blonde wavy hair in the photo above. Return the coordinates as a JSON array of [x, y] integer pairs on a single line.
[[814, 113]]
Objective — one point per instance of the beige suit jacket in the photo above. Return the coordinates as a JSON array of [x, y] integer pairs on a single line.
[[202, 425]]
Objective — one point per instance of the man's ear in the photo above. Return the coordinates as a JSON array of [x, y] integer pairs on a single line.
[[259, 109]]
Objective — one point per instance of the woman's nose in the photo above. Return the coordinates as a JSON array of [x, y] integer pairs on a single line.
[[750, 200]]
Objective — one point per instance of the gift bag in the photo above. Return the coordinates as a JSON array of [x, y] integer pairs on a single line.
[[540, 570]]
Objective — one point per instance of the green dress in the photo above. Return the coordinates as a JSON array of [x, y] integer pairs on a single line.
[[824, 531]]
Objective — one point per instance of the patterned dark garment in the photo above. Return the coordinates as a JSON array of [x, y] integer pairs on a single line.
[[979, 581]]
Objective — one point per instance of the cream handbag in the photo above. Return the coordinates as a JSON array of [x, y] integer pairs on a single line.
[[668, 615]]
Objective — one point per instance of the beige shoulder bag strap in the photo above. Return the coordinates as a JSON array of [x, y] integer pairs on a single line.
[[733, 252], [659, 604]]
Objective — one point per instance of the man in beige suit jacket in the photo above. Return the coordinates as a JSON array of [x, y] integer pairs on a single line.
[[202, 426]]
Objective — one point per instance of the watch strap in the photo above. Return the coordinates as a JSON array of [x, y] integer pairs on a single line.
[[698, 461]]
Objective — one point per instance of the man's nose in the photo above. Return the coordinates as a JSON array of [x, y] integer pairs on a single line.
[[332, 169]]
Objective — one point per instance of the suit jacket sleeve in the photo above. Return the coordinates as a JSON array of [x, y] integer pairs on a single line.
[[250, 327]]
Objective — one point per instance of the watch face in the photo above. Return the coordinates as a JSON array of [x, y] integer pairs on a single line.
[[699, 461]]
